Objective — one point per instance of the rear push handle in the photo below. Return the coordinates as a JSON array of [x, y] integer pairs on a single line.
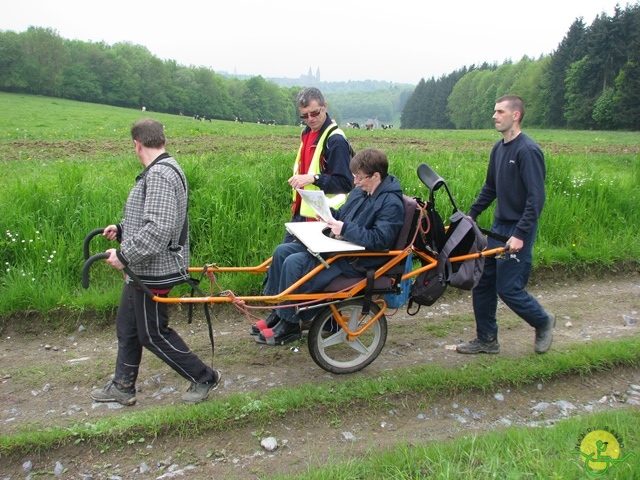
[[91, 259]]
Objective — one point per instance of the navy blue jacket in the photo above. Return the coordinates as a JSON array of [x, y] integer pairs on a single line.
[[335, 176], [515, 178], [373, 221]]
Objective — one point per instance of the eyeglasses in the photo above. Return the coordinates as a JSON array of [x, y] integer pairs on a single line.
[[313, 114], [359, 179]]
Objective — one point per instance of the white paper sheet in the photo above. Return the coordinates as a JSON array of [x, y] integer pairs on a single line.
[[318, 201]]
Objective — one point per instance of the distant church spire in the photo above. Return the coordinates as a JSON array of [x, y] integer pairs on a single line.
[[318, 74]]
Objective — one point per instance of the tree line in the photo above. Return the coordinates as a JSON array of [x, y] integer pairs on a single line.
[[591, 81], [38, 61]]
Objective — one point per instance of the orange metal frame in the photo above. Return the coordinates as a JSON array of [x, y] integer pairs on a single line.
[[397, 256]]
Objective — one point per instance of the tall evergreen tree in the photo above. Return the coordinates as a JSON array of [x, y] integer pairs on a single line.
[[571, 48], [627, 97]]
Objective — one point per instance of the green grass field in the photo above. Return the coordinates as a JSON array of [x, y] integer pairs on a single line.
[[68, 166]]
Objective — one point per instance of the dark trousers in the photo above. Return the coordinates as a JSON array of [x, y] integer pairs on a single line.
[[506, 278], [291, 262], [142, 322]]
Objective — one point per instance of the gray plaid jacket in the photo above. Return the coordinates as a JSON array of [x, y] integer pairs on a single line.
[[154, 217]]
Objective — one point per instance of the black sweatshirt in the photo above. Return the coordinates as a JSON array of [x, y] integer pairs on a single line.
[[515, 178]]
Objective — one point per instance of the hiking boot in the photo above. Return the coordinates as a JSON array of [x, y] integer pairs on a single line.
[[111, 393], [197, 392], [479, 346], [544, 335], [269, 322]]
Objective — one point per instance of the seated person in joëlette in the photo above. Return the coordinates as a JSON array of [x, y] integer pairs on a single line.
[[372, 217]]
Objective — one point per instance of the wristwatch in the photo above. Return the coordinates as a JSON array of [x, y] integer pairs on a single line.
[[316, 177]]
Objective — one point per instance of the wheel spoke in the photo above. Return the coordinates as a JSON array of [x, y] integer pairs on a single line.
[[334, 339], [333, 351]]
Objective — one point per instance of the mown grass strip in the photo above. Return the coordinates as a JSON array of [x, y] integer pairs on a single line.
[[259, 409], [510, 453]]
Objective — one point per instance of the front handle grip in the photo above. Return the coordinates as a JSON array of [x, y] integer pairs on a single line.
[[127, 270], [87, 240], [87, 265]]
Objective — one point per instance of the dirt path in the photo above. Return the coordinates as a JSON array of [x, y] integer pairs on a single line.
[[45, 380]]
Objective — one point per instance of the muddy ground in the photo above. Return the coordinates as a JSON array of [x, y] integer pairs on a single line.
[[46, 379]]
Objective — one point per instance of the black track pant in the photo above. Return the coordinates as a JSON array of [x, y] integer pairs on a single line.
[[142, 322]]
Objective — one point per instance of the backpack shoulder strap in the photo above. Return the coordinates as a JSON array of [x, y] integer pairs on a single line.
[[462, 226]]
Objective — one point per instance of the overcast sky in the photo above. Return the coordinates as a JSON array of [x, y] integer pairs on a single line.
[[399, 41]]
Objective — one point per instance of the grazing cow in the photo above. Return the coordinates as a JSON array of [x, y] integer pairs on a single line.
[[369, 126], [388, 125], [353, 125], [271, 122], [239, 119], [261, 121]]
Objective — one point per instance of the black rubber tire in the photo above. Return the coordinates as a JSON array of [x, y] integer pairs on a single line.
[[333, 352]]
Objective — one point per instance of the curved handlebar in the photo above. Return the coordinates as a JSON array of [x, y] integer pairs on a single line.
[[87, 265], [93, 233], [127, 270]]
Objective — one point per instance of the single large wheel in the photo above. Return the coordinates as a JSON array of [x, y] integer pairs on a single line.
[[328, 343]]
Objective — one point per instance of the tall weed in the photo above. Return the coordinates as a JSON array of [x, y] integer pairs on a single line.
[[69, 172]]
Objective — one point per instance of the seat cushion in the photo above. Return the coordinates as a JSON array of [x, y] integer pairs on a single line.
[[342, 282]]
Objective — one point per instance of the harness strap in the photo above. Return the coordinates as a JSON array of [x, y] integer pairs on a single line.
[[368, 292], [185, 227], [193, 283]]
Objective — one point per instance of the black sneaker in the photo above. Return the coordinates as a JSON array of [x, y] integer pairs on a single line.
[[544, 335], [111, 393], [478, 346], [197, 392]]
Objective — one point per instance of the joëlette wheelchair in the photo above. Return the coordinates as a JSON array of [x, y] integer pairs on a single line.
[[349, 330]]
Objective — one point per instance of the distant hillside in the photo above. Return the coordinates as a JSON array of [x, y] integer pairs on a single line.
[[328, 87]]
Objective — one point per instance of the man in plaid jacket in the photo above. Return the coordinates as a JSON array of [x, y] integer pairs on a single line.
[[154, 245]]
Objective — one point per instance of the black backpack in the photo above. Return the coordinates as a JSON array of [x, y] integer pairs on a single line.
[[463, 237], [426, 289]]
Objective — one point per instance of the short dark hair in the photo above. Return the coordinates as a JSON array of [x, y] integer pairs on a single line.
[[308, 95], [370, 161], [515, 104], [149, 132]]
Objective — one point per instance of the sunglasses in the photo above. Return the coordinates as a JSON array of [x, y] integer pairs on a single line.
[[313, 114]]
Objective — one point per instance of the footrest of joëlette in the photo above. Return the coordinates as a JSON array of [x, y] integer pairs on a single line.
[[268, 335], [268, 338]]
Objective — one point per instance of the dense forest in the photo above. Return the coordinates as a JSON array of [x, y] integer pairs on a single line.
[[591, 81], [38, 61]]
